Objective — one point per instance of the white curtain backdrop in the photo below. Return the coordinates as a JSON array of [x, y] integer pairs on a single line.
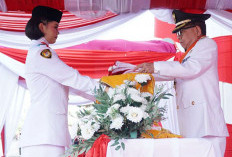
[[13, 116], [163, 15], [3, 7], [15, 66], [96, 8], [219, 4], [125, 26], [8, 86], [226, 100], [219, 24]]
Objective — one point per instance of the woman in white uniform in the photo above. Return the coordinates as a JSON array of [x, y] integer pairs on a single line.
[[45, 131]]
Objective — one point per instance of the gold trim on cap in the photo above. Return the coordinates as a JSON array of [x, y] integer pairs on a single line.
[[180, 26], [184, 21]]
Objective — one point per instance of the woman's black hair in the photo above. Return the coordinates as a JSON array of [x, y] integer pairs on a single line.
[[32, 30]]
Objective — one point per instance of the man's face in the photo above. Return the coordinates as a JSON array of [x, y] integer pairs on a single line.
[[187, 36]]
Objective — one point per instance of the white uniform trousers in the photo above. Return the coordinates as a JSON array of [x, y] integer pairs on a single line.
[[43, 150], [219, 144]]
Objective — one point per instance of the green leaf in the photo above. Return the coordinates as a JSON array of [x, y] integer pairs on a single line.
[[123, 145], [115, 143], [118, 147], [88, 148], [82, 151]]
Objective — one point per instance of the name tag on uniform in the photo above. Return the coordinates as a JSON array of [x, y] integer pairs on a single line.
[[184, 60]]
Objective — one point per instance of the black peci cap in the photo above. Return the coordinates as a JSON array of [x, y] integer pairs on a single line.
[[183, 19], [47, 13]]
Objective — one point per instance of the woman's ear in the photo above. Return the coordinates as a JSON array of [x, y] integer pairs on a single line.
[[41, 27]]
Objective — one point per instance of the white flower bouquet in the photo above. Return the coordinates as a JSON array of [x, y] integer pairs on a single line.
[[122, 112]]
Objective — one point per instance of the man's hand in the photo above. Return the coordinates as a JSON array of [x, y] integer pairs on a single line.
[[145, 68]]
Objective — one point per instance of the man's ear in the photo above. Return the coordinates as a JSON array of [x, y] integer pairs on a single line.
[[41, 27], [199, 33]]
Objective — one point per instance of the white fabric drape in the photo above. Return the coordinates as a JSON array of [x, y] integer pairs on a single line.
[[226, 100], [8, 85], [163, 15], [219, 4], [220, 20], [125, 26], [15, 66], [96, 8], [13, 116], [3, 7], [167, 147]]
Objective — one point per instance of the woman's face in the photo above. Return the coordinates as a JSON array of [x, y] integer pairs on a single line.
[[50, 31]]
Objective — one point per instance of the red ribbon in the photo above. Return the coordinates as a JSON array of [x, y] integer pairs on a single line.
[[99, 147]]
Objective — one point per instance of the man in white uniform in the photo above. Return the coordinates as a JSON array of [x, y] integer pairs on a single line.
[[45, 131], [197, 84]]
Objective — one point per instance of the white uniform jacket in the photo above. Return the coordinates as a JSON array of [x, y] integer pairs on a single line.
[[48, 80], [197, 90]]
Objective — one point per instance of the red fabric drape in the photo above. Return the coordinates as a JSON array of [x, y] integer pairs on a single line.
[[228, 152], [164, 30], [178, 4], [224, 58], [16, 21], [28, 5], [94, 63], [3, 141], [99, 147]]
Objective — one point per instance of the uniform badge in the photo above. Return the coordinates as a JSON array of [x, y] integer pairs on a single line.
[[46, 53]]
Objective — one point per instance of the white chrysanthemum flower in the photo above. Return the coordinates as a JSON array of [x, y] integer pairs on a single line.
[[94, 124], [145, 115], [132, 91], [111, 109], [143, 107], [135, 114], [118, 97], [117, 122], [80, 122], [111, 92], [120, 88], [125, 109], [145, 102], [138, 98], [142, 78], [130, 83], [86, 131], [146, 94]]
